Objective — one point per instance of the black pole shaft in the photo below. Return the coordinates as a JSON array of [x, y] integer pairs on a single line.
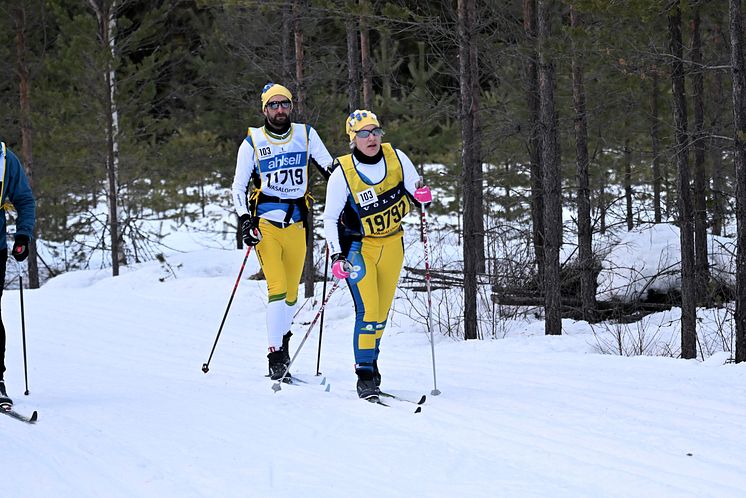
[[23, 335], [206, 366], [321, 325]]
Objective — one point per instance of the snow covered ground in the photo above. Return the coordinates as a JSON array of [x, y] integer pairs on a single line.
[[125, 410]]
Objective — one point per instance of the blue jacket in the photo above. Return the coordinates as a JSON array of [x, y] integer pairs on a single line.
[[16, 190]]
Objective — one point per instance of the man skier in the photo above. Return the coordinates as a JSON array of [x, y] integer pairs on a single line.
[[276, 159]]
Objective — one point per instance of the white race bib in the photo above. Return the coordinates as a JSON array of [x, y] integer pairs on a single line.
[[367, 197]]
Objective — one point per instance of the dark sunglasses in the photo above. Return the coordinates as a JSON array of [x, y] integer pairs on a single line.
[[276, 105], [377, 132]]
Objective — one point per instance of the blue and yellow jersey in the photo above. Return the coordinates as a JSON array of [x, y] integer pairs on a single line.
[[380, 206]]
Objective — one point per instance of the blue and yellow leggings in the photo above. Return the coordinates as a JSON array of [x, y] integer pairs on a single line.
[[377, 264]]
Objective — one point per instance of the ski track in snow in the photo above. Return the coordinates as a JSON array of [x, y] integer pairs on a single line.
[[124, 409]]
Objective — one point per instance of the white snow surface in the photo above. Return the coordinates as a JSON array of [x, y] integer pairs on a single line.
[[126, 411], [649, 258]]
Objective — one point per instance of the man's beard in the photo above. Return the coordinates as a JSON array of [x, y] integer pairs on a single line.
[[279, 120]]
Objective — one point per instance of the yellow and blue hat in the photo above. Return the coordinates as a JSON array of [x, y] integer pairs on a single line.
[[272, 89], [358, 119]]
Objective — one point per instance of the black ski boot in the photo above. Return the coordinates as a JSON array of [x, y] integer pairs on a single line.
[[278, 365], [376, 373], [5, 401], [286, 346], [366, 385]]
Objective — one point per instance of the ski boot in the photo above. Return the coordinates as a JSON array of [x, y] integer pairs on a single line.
[[286, 346], [376, 373], [5, 402], [280, 359], [278, 365], [366, 385]]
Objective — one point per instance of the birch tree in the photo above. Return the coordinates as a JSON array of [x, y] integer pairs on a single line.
[[106, 16]]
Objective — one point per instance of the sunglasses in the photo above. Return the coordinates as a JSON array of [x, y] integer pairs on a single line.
[[276, 105], [376, 132]]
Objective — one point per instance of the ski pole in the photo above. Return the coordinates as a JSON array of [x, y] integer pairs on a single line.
[[423, 218], [206, 366], [321, 325], [297, 312], [276, 387], [23, 334]]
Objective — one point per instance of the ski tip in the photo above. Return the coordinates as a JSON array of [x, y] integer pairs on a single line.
[[34, 417], [323, 381], [328, 388], [422, 400], [418, 409]]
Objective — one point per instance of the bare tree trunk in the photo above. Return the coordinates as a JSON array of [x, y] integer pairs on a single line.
[[534, 139], [117, 255], [655, 139], [299, 100], [603, 202], [26, 128], [287, 45], [299, 106], [107, 24], [701, 263], [386, 68], [738, 71], [628, 184], [552, 179], [686, 226], [469, 175], [719, 198], [353, 65], [716, 153], [365, 62], [477, 142], [585, 230]]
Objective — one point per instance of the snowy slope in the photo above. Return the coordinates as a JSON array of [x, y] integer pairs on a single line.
[[125, 410]]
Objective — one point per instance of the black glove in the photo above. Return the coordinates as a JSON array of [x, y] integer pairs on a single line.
[[20, 248], [250, 232]]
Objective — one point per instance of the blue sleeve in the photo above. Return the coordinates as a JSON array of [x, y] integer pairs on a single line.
[[18, 192]]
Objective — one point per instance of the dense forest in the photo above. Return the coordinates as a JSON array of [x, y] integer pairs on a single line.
[[131, 110]]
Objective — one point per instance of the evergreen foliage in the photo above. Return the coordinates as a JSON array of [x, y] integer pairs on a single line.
[[189, 73]]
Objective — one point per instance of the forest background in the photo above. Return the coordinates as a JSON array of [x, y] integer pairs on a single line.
[[126, 112]]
